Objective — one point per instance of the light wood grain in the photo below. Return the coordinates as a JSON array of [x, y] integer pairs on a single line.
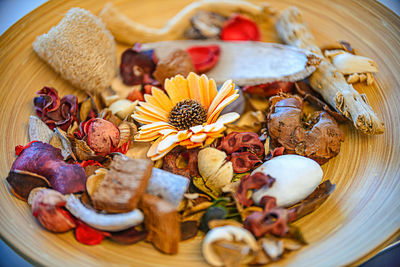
[[361, 216]]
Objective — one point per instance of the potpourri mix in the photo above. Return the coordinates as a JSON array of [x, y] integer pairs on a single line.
[[161, 152]]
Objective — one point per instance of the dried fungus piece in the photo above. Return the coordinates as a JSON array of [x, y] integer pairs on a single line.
[[204, 58], [47, 207], [45, 160], [320, 140], [240, 28], [162, 223], [53, 111]]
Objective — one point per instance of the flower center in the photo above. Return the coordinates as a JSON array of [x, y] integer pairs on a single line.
[[187, 113]]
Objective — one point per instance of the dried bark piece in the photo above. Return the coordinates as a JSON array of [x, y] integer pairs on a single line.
[[162, 223], [123, 185], [326, 80], [260, 62]]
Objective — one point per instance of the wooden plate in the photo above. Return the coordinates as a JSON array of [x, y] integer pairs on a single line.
[[361, 216]]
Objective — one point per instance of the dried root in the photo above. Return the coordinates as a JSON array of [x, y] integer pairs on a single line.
[[326, 80]]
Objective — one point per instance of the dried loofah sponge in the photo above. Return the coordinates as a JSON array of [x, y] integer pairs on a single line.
[[81, 49]]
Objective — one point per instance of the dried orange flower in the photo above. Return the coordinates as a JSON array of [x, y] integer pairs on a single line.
[[188, 116]]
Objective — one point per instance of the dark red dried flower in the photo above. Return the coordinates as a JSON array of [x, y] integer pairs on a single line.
[[274, 222], [204, 57], [46, 160], [255, 181], [190, 156], [136, 66], [53, 111], [240, 28], [269, 89], [244, 161], [235, 141]]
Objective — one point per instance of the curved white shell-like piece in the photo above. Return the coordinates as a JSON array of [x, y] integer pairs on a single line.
[[258, 63], [105, 222]]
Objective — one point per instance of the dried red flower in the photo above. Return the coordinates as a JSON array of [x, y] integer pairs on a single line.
[[274, 222], [240, 28], [244, 161], [269, 89], [204, 57], [53, 111], [88, 235], [19, 148], [254, 181], [235, 141]]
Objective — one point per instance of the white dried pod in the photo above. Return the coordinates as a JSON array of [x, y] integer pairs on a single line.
[[296, 178], [105, 222], [231, 234], [123, 108], [333, 53], [214, 168], [348, 63]]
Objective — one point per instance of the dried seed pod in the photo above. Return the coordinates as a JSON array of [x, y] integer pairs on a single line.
[[127, 131], [103, 136], [228, 244]]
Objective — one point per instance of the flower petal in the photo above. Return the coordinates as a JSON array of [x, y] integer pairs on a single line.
[[144, 118], [194, 87], [196, 129], [162, 98], [159, 156], [213, 117], [151, 109], [198, 138], [226, 90], [228, 118]]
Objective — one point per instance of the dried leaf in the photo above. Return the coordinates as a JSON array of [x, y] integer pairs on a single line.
[[66, 147], [250, 121], [189, 230], [23, 182], [38, 130], [127, 131], [258, 103], [313, 201], [138, 150], [84, 109], [218, 223], [83, 152]]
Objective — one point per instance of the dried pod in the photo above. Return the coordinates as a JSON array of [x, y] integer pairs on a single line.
[[215, 170], [23, 182], [94, 181], [205, 25], [103, 136], [47, 208], [123, 108], [127, 131], [227, 245]]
